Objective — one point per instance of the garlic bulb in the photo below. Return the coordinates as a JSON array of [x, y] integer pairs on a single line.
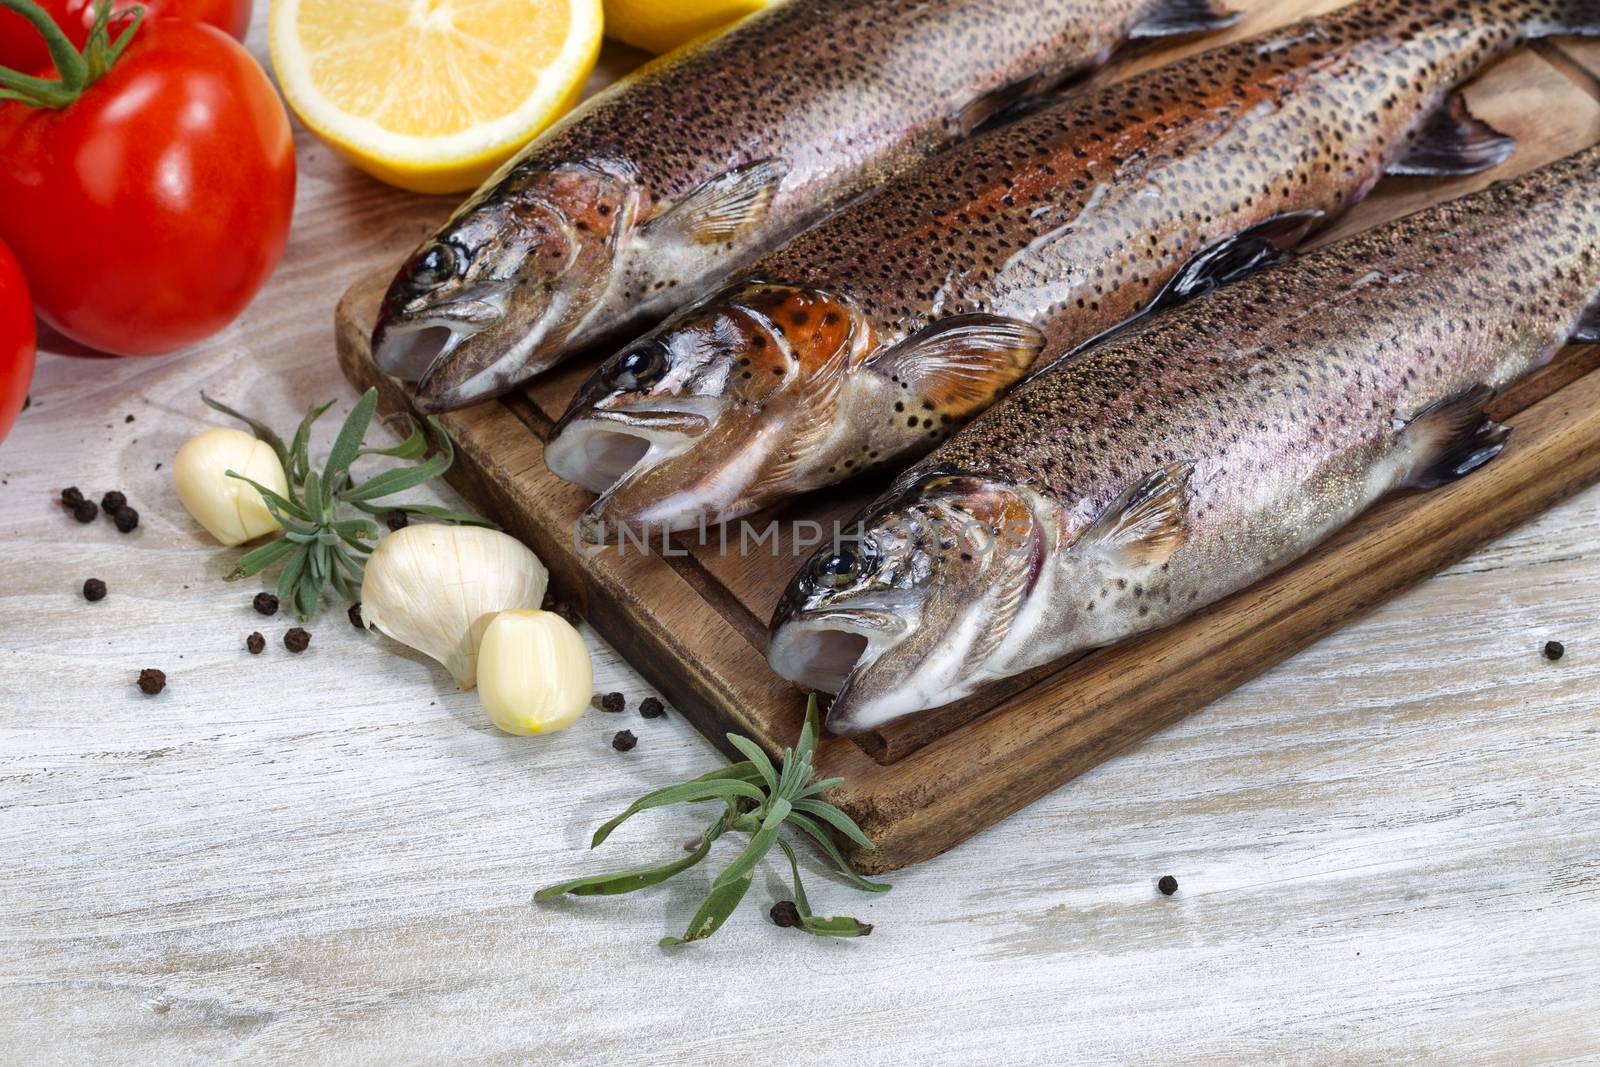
[[435, 588], [534, 673], [230, 510]]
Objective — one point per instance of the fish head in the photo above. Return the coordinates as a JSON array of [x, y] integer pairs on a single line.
[[499, 292], [697, 422], [903, 616]]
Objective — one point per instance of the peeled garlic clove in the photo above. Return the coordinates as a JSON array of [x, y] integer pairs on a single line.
[[534, 673], [436, 588], [230, 510]]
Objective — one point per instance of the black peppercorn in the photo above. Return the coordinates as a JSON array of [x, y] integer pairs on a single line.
[[397, 520], [355, 616], [613, 702], [265, 603], [297, 640], [255, 643], [71, 496], [125, 518], [85, 511], [152, 681], [1554, 650], [784, 913], [112, 501], [624, 740], [94, 589], [651, 708], [1168, 885]]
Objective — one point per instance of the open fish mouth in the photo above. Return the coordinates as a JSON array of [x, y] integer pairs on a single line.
[[825, 650], [409, 348], [606, 451]]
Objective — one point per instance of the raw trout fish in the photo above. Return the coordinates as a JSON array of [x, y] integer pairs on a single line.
[[652, 193], [1203, 448], [867, 340]]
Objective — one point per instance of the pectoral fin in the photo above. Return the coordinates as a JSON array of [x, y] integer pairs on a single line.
[[1588, 331], [961, 365], [1176, 17], [1451, 439], [1235, 258], [1146, 524], [724, 207], [1454, 142]]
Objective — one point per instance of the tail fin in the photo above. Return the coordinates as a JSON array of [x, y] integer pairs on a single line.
[[1562, 18]]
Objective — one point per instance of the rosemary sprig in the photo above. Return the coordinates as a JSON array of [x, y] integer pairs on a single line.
[[759, 800], [317, 547]]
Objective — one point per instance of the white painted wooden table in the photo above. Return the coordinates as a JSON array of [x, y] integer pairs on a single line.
[[1388, 849]]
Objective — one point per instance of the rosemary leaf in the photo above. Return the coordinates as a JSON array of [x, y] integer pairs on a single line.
[[718, 905], [687, 793], [630, 881], [820, 836], [348, 444], [758, 760], [834, 818], [257, 560], [262, 431]]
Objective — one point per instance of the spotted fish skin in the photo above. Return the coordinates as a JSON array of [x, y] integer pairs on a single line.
[[1042, 235], [651, 193], [1202, 449]]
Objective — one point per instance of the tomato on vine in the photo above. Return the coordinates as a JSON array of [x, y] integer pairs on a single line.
[[148, 188], [23, 49]]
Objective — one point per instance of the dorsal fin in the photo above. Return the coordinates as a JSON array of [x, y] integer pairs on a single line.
[[1453, 142], [1174, 17], [723, 207], [1145, 525], [961, 364], [1451, 439]]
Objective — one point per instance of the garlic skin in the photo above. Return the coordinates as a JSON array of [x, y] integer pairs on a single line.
[[436, 588], [230, 510], [534, 672]]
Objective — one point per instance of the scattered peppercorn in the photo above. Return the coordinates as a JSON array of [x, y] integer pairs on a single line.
[[297, 640], [355, 616], [265, 603], [125, 518], [152, 681], [85, 511], [255, 643], [1554, 650], [94, 589], [1168, 885], [624, 741], [613, 702], [112, 501], [785, 914], [397, 520], [128, 419], [71, 496], [651, 708]]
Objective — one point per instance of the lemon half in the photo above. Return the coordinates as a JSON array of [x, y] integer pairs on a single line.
[[662, 25], [432, 95]]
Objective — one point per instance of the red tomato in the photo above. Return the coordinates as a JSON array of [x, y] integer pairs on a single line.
[[16, 340], [147, 213], [21, 47]]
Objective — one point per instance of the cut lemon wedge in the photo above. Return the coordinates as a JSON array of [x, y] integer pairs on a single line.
[[432, 95], [662, 25]]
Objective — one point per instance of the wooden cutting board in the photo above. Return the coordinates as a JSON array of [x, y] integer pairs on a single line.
[[692, 618]]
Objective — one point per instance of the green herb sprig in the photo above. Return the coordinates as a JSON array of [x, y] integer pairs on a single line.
[[759, 800], [317, 547]]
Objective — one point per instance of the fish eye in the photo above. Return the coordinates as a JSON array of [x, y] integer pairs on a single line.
[[641, 367], [841, 566], [435, 267]]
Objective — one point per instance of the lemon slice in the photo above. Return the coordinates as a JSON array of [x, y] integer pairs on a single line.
[[662, 25], [432, 95]]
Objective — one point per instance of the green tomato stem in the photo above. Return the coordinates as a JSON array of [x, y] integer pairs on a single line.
[[76, 70]]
